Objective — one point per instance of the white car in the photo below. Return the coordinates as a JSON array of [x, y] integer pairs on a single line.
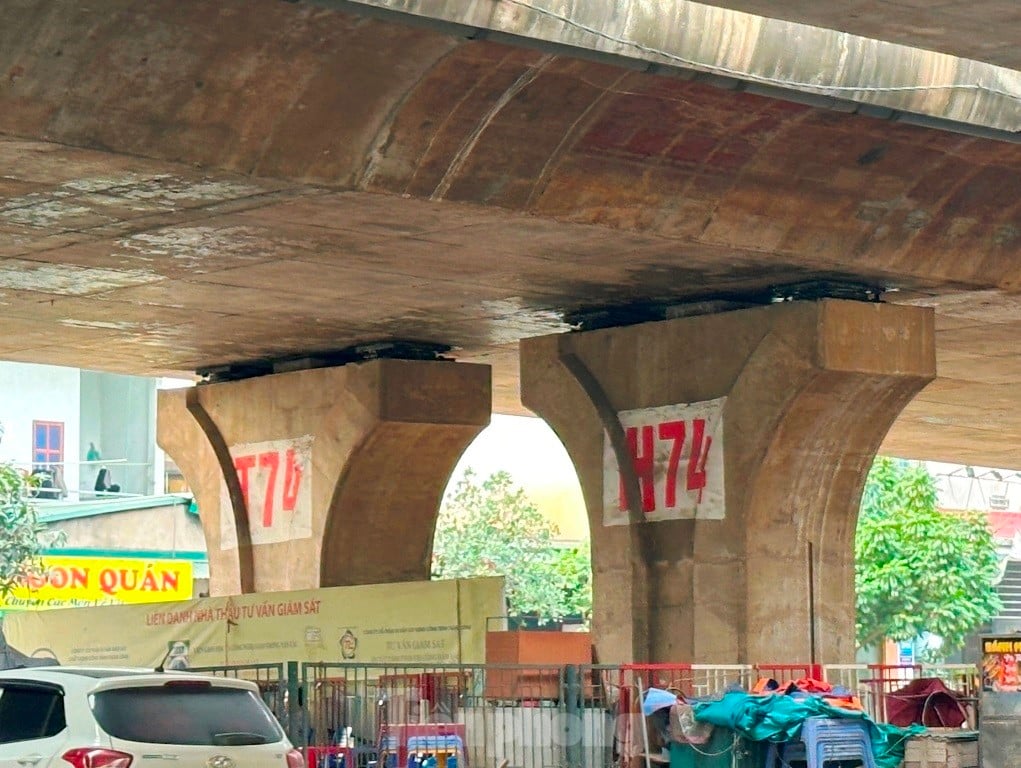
[[69, 717]]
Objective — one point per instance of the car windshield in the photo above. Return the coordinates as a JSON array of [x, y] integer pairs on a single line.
[[199, 715]]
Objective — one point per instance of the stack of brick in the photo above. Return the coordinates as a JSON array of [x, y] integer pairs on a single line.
[[942, 748]]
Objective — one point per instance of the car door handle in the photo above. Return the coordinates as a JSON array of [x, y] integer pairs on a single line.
[[29, 759]]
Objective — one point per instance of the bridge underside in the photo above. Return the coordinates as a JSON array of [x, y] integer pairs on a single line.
[[175, 199]]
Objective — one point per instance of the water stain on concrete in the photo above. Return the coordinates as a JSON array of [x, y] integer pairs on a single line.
[[101, 199], [195, 247], [65, 280]]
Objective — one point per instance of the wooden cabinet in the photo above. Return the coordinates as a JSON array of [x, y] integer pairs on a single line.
[[549, 651]]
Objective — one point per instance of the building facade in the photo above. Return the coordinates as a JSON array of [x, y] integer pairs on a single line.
[[74, 423]]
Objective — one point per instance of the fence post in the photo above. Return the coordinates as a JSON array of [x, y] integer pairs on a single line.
[[573, 725], [295, 731]]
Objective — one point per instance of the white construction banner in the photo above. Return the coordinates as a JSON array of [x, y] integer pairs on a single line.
[[276, 481], [677, 453], [423, 622]]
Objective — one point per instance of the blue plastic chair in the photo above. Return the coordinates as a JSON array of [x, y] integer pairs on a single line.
[[825, 740]]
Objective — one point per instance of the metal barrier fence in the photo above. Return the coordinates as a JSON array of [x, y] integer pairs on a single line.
[[790, 672], [876, 684], [348, 715], [871, 683], [482, 716], [691, 680]]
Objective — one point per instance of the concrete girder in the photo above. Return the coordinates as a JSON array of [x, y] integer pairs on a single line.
[[746, 188], [771, 53], [314, 180]]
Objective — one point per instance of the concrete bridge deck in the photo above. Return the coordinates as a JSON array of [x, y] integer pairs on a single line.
[[184, 185]]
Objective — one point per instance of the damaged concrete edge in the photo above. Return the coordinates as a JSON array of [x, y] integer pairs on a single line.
[[772, 57]]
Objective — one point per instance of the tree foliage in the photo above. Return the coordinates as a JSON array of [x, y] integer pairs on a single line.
[[573, 569], [491, 528], [919, 569], [19, 542]]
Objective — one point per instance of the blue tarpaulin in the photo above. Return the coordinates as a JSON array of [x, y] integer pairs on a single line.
[[779, 718]]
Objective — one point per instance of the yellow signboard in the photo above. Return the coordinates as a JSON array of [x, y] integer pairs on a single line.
[[427, 622], [74, 582]]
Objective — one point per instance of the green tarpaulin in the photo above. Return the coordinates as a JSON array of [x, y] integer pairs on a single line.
[[779, 718]]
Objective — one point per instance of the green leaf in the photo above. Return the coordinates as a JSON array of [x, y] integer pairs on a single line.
[[918, 569], [492, 528], [19, 542]]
